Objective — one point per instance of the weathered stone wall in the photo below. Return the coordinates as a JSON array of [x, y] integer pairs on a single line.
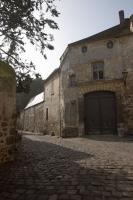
[[63, 108], [29, 119], [8, 136], [116, 60], [32, 119], [44, 117], [39, 118], [127, 49], [52, 105]]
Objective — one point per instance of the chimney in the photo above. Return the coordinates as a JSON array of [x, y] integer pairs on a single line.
[[121, 17], [131, 23]]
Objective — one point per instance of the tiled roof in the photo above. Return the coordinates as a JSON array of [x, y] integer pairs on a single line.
[[35, 100], [115, 31]]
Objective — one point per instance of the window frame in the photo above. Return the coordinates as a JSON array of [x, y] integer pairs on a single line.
[[46, 114], [84, 49], [97, 71]]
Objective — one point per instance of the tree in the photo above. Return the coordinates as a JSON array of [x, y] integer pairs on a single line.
[[22, 20], [36, 87]]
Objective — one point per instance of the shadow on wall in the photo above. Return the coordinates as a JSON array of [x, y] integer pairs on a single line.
[[46, 169]]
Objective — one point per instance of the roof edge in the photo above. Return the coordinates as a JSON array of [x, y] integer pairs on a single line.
[[33, 105], [94, 37], [57, 70]]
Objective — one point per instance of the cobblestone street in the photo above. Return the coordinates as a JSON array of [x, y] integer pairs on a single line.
[[52, 168]]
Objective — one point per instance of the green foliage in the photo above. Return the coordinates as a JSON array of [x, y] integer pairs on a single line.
[[22, 20]]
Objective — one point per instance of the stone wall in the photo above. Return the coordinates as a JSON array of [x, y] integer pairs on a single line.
[[32, 119], [52, 105], [9, 139], [116, 60], [64, 89], [127, 47], [44, 118]]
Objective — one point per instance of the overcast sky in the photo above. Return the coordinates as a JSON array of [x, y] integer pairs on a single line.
[[78, 19]]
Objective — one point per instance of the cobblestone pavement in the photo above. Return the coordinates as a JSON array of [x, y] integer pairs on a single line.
[[52, 168]]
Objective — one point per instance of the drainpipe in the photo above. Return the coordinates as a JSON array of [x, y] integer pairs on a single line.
[[60, 101], [24, 121], [34, 120]]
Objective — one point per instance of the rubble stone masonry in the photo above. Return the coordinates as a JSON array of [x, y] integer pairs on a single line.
[[8, 135]]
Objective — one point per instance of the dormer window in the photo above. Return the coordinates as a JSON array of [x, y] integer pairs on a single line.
[[98, 70]]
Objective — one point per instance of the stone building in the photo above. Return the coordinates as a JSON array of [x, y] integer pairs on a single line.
[[32, 117], [52, 104], [92, 91], [42, 114]]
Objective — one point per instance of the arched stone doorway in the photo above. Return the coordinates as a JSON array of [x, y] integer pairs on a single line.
[[100, 112]]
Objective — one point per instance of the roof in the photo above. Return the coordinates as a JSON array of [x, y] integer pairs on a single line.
[[35, 100], [57, 70], [115, 31]]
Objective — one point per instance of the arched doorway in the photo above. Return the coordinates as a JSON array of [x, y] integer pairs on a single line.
[[100, 112]]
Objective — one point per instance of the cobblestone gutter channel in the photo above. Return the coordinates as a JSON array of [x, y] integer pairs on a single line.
[[61, 169]]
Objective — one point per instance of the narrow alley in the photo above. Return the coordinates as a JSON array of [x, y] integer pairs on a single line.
[[52, 168]]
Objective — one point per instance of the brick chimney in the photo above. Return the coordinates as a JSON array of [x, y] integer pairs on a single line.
[[121, 17]]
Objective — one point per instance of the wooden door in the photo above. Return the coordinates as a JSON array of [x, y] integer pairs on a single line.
[[100, 112]]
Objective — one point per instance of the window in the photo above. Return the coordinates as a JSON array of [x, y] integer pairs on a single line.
[[52, 88], [84, 49], [109, 44], [72, 80], [47, 114], [98, 70]]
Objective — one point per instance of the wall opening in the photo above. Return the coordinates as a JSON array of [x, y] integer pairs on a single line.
[[100, 112]]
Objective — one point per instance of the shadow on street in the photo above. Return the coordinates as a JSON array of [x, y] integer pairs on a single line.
[[48, 171]]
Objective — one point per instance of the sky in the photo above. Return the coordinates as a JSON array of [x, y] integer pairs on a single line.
[[78, 19]]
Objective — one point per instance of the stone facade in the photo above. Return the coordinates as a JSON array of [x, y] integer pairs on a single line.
[[9, 139], [52, 104], [44, 117], [32, 117], [65, 89], [78, 64]]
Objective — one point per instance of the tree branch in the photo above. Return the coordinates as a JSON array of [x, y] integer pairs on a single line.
[[10, 56]]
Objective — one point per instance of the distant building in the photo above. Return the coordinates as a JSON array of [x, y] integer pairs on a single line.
[[52, 104], [92, 91], [32, 117]]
